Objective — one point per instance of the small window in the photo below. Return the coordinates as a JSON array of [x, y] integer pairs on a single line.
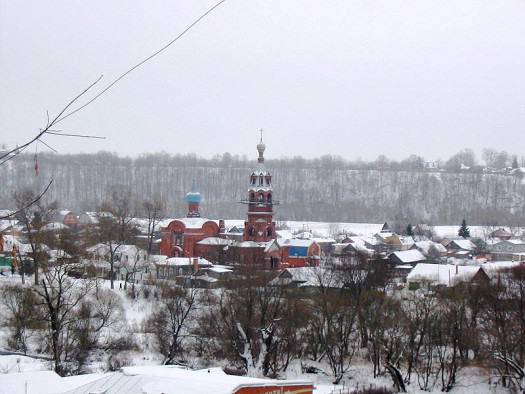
[[252, 232], [269, 197], [261, 198], [498, 247], [269, 231], [509, 248]]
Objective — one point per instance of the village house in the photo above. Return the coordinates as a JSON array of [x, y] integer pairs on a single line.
[[434, 252], [510, 249], [432, 276], [500, 234], [299, 252], [129, 261], [309, 280], [460, 248], [211, 277], [405, 257], [173, 267], [91, 218], [68, 218]]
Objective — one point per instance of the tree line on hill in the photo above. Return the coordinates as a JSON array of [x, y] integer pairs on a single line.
[[324, 189]]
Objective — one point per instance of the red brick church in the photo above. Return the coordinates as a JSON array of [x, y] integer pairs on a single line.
[[194, 236]]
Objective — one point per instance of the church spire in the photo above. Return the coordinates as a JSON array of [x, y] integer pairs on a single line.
[[261, 147]]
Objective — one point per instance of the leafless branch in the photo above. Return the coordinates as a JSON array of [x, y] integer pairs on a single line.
[[14, 152], [75, 135], [143, 61]]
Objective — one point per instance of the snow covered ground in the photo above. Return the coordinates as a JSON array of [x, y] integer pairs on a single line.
[[34, 376], [18, 373], [18, 370]]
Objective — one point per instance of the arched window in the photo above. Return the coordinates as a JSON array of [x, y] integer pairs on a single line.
[[252, 232], [261, 197], [252, 196], [260, 179], [269, 197], [269, 231]]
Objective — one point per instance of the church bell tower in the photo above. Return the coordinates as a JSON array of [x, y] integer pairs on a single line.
[[260, 226]]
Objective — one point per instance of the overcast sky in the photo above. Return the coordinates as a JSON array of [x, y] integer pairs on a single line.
[[342, 77]]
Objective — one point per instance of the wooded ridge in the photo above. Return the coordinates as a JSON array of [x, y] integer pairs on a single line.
[[313, 190]]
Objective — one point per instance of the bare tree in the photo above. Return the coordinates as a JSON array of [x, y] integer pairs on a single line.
[[248, 320], [32, 214], [170, 321], [155, 211], [114, 227], [59, 296], [21, 315], [334, 327], [98, 323]]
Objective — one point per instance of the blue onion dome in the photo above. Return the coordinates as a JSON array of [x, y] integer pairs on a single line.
[[193, 195]]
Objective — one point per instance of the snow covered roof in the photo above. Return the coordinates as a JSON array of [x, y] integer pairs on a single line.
[[41, 382], [215, 241], [7, 224], [445, 274], [492, 268], [6, 212], [286, 234], [193, 222], [296, 242], [464, 244], [251, 244], [409, 256], [515, 241], [55, 226], [425, 246], [170, 379], [307, 276], [358, 246], [183, 261], [220, 269], [500, 232]]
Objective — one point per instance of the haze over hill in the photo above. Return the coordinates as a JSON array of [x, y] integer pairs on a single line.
[[326, 189]]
